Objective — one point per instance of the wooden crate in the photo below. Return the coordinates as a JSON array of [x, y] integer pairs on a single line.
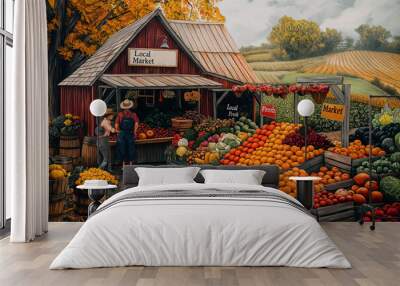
[[181, 124], [313, 164], [339, 212], [343, 184], [344, 163]]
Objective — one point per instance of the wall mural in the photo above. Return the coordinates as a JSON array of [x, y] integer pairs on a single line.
[[218, 82]]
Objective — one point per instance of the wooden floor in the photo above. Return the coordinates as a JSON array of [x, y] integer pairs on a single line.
[[375, 257]]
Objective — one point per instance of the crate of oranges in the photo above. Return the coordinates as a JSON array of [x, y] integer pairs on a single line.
[[333, 178], [349, 158]]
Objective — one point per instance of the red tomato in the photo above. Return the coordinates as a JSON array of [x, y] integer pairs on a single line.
[[349, 198], [335, 201], [379, 212], [316, 206], [372, 185], [322, 203]]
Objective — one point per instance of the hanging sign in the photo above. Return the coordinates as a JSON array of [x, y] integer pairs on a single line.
[[268, 110], [333, 111], [192, 96], [153, 57]]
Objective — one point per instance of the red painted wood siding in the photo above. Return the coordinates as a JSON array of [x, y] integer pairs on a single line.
[[76, 100], [151, 37]]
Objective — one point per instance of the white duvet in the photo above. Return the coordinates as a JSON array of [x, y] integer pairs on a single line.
[[202, 232]]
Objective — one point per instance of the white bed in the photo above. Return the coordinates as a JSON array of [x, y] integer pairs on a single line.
[[201, 231]]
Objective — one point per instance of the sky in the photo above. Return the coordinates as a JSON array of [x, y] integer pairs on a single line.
[[250, 21]]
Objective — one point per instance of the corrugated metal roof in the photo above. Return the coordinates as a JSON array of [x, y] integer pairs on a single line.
[[215, 49], [156, 81], [209, 45]]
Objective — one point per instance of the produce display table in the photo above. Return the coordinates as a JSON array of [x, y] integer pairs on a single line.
[[149, 150]]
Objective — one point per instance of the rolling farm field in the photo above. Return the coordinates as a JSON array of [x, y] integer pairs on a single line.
[[359, 68], [364, 64]]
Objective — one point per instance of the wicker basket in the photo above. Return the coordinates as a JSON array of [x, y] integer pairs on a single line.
[[181, 124]]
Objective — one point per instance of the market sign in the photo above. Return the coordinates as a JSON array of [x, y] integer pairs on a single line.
[[232, 110], [332, 111], [268, 110], [152, 57]]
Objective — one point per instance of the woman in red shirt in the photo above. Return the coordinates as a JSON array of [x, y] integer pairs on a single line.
[[126, 126]]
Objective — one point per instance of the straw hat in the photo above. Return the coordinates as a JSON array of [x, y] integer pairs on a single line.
[[127, 104], [109, 112]]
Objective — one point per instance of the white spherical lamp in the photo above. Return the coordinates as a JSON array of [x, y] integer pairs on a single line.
[[306, 107], [98, 107]]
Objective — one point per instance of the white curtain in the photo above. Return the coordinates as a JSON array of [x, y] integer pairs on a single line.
[[27, 123]]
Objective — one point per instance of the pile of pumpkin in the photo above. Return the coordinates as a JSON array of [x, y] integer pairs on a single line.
[[266, 147], [57, 172]]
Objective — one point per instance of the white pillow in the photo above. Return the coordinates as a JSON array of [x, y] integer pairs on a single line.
[[246, 177], [166, 176]]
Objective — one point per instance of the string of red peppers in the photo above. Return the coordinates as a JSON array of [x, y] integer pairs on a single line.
[[283, 90]]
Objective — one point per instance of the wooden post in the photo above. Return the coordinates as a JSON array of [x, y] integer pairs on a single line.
[[296, 114], [219, 101], [118, 98], [346, 122], [261, 116], [179, 99], [214, 94], [199, 102]]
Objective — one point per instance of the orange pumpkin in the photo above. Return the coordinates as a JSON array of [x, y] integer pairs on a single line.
[[361, 179], [362, 191], [376, 196], [150, 133], [359, 199], [142, 136]]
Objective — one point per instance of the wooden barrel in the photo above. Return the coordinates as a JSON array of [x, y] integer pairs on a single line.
[[58, 186], [70, 146], [89, 151], [56, 207], [66, 162]]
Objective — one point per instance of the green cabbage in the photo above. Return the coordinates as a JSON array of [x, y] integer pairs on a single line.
[[390, 186]]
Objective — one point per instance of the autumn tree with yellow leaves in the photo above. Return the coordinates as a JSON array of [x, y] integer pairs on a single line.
[[77, 28], [303, 38]]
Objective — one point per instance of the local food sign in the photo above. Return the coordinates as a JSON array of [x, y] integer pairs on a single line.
[[153, 57], [333, 111], [268, 110]]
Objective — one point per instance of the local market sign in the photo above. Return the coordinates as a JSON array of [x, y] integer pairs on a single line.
[[333, 111], [152, 58], [268, 110]]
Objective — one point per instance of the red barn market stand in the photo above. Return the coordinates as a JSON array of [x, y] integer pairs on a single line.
[[154, 55]]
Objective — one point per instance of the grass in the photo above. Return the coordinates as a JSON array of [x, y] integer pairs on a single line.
[[260, 57], [295, 65]]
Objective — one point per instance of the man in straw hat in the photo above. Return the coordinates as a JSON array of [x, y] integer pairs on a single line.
[[126, 125], [104, 132]]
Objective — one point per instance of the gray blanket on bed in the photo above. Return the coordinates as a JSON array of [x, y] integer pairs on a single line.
[[203, 194]]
